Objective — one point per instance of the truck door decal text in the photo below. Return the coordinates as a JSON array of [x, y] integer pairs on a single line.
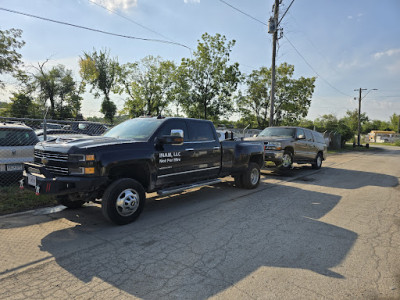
[[169, 157]]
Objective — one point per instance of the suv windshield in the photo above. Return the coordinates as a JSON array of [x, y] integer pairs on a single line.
[[277, 131], [17, 137], [137, 129]]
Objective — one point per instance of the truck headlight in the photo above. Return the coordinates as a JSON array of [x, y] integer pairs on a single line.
[[273, 146], [81, 157], [82, 171]]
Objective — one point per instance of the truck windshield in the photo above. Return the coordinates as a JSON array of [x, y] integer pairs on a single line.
[[277, 131], [137, 129]]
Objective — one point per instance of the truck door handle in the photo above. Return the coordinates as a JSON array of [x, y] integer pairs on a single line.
[[216, 148], [189, 149]]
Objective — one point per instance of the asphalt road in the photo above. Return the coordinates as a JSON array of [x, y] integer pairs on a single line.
[[332, 233]]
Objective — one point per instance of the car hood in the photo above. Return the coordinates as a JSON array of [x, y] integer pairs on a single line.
[[66, 144]]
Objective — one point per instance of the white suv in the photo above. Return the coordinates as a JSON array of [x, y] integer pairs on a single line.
[[16, 147]]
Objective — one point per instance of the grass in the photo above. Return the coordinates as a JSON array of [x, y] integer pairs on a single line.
[[13, 199], [349, 148]]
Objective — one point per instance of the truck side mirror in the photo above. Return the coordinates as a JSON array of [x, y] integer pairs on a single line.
[[171, 140], [175, 138]]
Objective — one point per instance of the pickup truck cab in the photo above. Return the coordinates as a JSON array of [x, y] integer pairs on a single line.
[[163, 155]]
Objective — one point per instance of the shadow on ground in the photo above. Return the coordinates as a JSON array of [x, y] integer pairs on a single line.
[[334, 177], [206, 250]]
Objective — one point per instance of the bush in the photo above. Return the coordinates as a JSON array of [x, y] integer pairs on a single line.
[[397, 143]]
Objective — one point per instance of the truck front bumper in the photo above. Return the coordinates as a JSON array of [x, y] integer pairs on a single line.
[[275, 156], [44, 183]]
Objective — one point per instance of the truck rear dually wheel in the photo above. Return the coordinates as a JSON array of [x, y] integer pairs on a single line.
[[251, 178], [123, 201]]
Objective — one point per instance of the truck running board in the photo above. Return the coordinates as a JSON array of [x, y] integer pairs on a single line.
[[177, 189]]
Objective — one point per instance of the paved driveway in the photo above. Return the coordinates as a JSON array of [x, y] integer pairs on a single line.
[[332, 233]]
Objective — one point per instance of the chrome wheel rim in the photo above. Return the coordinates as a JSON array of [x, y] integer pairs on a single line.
[[127, 202], [254, 175], [286, 160]]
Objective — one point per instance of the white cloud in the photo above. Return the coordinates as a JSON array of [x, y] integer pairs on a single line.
[[117, 4], [191, 1], [390, 52]]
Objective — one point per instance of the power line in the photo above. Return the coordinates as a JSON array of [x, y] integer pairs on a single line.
[[95, 30], [242, 12], [298, 52], [130, 20], [311, 67], [285, 13]]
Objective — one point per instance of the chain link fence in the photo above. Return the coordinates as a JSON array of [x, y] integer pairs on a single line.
[[18, 136], [333, 140]]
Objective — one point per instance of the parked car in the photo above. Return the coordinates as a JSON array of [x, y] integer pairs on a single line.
[[287, 145], [52, 126], [89, 128], [16, 147]]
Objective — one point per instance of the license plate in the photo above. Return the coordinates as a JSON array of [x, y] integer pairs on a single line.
[[31, 180], [14, 167]]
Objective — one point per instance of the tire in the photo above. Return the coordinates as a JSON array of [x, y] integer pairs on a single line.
[[251, 178], [287, 161], [238, 181], [318, 162], [123, 201], [65, 200]]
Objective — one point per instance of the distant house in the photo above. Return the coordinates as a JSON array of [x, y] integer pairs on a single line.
[[380, 136]]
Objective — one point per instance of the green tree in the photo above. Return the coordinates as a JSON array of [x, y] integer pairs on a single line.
[[326, 123], [394, 122], [10, 59], [101, 72], [58, 86], [292, 96], [206, 83], [149, 85], [351, 119], [23, 106], [306, 123], [367, 127]]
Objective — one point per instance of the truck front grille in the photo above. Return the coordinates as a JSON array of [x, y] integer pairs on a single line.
[[54, 162], [57, 170], [40, 154]]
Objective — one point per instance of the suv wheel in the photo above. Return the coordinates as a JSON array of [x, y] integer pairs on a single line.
[[318, 162], [123, 201], [287, 161]]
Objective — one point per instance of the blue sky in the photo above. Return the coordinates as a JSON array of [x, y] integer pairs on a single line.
[[346, 44]]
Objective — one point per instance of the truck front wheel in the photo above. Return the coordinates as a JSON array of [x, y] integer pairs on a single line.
[[123, 201], [251, 178]]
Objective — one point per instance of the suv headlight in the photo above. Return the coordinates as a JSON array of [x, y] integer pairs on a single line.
[[273, 146]]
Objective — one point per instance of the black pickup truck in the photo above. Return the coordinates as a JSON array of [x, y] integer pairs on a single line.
[[164, 155]]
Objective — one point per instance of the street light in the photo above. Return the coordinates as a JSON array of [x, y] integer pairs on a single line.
[[359, 111]]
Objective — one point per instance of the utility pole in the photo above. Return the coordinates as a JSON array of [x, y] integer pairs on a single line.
[[359, 112], [273, 28], [359, 116]]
